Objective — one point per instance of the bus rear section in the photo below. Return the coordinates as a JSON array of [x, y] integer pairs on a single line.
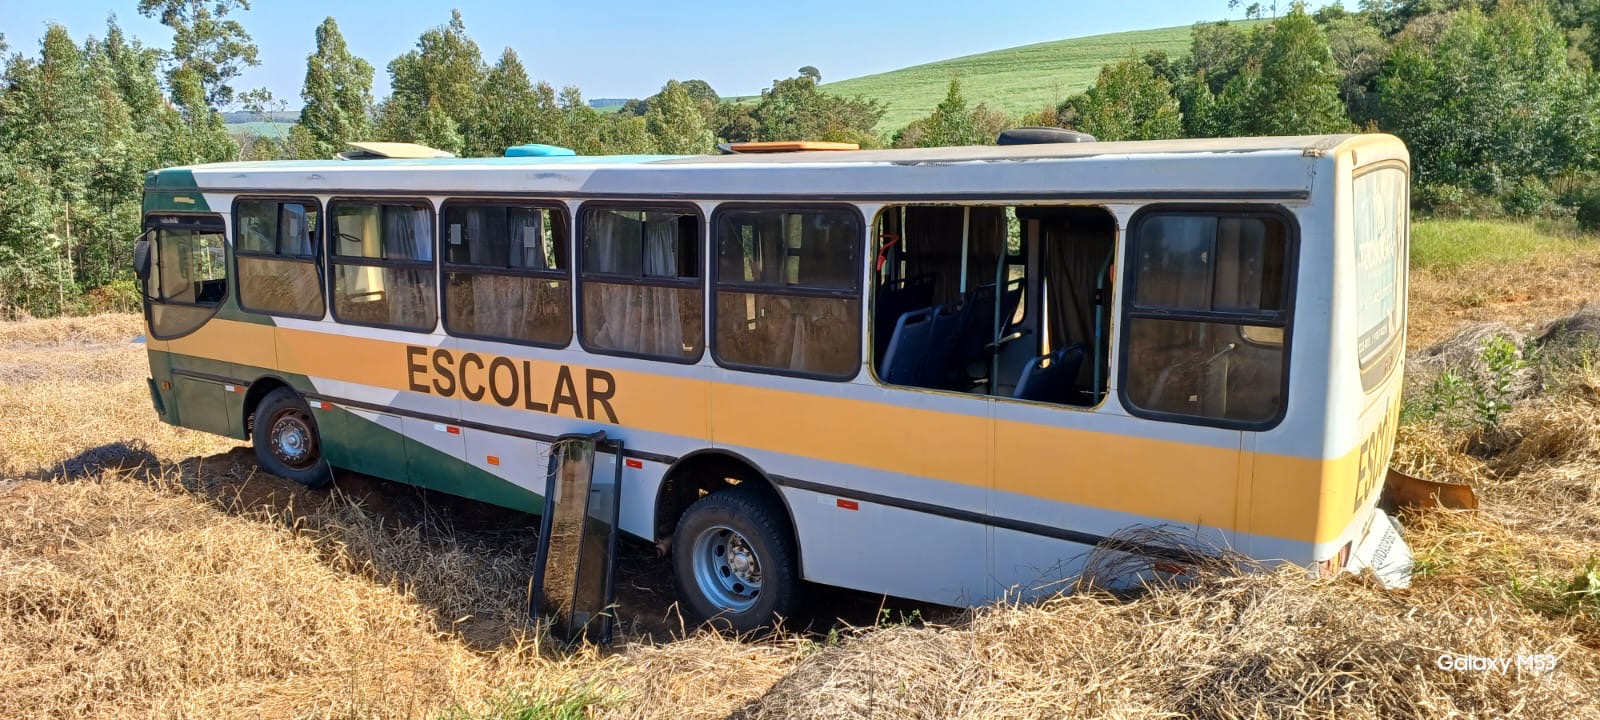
[[1376, 245]]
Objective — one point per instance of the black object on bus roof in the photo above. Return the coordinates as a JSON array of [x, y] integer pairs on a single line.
[[1040, 135]]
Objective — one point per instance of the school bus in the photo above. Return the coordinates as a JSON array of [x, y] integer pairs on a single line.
[[939, 374]]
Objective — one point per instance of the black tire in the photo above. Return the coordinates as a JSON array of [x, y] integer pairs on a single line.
[[287, 442], [762, 529], [1041, 135]]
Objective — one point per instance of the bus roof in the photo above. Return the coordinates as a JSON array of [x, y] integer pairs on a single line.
[[1274, 166]]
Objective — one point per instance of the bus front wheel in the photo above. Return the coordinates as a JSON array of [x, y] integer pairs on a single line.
[[286, 440], [735, 561]]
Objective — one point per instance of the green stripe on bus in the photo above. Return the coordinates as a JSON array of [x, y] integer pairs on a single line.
[[367, 447]]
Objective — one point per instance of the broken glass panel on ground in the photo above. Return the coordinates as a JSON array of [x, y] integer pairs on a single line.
[[574, 581]]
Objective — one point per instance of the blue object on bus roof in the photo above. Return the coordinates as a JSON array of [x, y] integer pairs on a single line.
[[537, 150]]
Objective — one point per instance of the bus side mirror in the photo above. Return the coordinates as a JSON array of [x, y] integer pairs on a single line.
[[141, 257]]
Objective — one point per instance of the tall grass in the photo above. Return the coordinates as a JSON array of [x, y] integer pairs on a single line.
[[1452, 245]]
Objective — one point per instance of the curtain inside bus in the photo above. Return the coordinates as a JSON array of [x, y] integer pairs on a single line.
[[640, 316]]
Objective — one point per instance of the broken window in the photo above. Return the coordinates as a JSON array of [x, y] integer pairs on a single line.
[[1007, 301]]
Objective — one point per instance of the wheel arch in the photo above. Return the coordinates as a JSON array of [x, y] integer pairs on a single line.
[[259, 389], [708, 471]]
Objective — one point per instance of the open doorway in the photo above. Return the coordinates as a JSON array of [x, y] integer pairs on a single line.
[[1006, 301]]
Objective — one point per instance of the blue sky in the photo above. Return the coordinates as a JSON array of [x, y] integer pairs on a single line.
[[628, 48]]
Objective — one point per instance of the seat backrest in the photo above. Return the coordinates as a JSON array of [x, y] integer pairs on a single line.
[[896, 300], [1049, 378], [907, 347]]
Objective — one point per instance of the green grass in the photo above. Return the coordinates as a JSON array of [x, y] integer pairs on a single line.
[[274, 130], [519, 704], [1448, 245], [1017, 80]]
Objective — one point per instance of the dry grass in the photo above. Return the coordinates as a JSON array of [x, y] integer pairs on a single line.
[[147, 571], [1523, 276]]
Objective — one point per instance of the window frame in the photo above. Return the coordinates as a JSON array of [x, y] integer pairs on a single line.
[[581, 276], [156, 222], [858, 291], [332, 258], [1129, 313], [445, 268], [314, 259]]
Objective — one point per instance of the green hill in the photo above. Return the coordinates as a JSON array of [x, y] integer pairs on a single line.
[[276, 130], [1016, 80]]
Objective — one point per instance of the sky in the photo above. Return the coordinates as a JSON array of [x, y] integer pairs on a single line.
[[629, 48]]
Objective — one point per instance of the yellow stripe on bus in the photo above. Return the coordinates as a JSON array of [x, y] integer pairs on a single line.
[[1301, 499]]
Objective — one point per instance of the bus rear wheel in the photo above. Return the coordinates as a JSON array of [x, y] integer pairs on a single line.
[[286, 440], [735, 561]]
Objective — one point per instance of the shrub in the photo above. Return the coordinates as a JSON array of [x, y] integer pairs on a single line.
[[1528, 196], [1589, 209]]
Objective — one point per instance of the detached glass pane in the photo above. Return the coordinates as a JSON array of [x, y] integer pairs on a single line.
[[514, 307], [779, 248], [643, 320], [809, 335], [1209, 370], [397, 297], [290, 287]]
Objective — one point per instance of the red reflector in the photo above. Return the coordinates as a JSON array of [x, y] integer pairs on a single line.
[[848, 504], [324, 406], [635, 464], [494, 460], [453, 430]]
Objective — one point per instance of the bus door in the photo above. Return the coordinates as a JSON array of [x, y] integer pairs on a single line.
[[184, 264]]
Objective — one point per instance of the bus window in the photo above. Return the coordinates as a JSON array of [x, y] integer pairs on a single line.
[[189, 278], [1206, 319], [640, 281], [1004, 301], [383, 264], [1379, 225], [788, 291], [274, 243], [506, 273]]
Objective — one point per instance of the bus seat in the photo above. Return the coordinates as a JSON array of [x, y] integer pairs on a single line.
[[908, 346], [1049, 378], [897, 299]]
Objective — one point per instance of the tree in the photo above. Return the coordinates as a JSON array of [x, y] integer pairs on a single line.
[[1491, 100], [206, 43], [1358, 51], [1128, 101], [676, 123], [794, 109], [1299, 88], [811, 72], [953, 123], [507, 109], [435, 89], [337, 93], [49, 133]]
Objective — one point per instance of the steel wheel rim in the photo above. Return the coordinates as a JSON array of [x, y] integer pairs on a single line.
[[293, 441], [727, 569]]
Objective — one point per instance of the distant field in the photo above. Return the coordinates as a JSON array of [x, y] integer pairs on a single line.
[[1016, 80], [275, 130]]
